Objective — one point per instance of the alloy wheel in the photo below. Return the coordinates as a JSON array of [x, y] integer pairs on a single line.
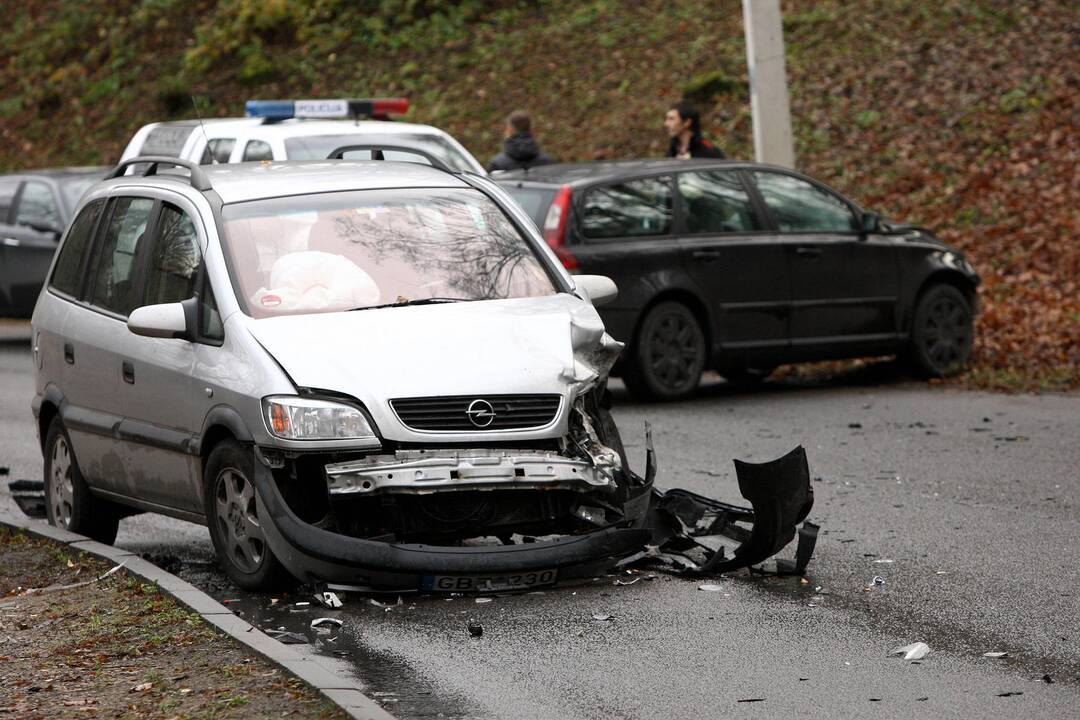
[[62, 495], [673, 351], [238, 520], [946, 333]]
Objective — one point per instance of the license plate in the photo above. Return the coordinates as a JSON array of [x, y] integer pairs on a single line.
[[488, 583]]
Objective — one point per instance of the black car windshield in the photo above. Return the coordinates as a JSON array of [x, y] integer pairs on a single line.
[[318, 147], [330, 252], [536, 201]]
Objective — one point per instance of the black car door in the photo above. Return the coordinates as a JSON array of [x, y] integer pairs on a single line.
[[739, 265], [844, 284], [29, 241], [624, 231]]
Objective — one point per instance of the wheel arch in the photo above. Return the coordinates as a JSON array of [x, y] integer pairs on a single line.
[[222, 423], [953, 278], [46, 408]]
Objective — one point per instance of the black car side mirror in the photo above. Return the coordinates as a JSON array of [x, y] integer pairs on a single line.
[[871, 222]]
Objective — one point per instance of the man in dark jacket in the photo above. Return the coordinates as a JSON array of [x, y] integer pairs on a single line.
[[683, 124], [520, 150]]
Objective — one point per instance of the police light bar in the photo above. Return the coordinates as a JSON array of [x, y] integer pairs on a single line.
[[272, 110]]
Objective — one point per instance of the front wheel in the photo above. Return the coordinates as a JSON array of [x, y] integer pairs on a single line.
[[68, 501], [668, 354], [233, 519], [941, 332]]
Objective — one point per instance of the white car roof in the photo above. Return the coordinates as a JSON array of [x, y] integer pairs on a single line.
[[240, 182]]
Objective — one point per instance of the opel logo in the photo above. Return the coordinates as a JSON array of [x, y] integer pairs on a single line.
[[481, 413]]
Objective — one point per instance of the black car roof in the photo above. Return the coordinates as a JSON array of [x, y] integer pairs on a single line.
[[591, 172], [59, 173]]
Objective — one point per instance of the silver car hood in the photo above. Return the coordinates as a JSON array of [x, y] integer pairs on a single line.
[[553, 344]]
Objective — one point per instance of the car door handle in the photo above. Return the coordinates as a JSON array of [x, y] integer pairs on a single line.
[[808, 251], [128, 371], [69, 354], [706, 255], [12, 242]]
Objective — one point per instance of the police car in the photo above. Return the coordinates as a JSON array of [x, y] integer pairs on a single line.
[[299, 130]]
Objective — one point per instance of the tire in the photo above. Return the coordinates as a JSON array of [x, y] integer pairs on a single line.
[[941, 332], [69, 504], [668, 354], [232, 518]]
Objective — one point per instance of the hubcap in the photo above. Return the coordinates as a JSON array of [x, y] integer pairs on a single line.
[[673, 352], [62, 488], [946, 334], [238, 520]]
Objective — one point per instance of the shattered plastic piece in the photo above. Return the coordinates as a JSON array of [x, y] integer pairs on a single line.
[[329, 599], [995, 655], [4, 470], [301, 604], [602, 618], [325, 622], [475, 629], [914, 651], [1048, 680], [29, 495], [287, 638], [711, 588], [626, 582], [751, 700], [884, 561], [878, 581], [1010, 693], [480, 600]]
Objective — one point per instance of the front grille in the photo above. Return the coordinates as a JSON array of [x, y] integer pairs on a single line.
[[451, 414]]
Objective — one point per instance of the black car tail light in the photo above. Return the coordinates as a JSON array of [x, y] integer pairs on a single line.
[[555, 227]]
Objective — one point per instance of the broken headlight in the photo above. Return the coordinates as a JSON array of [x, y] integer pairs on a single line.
[[297, 418]]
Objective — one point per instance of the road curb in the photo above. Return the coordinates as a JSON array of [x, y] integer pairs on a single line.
[[346, 693]]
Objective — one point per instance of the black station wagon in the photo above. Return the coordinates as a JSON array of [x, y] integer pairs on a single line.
[[740, 267]]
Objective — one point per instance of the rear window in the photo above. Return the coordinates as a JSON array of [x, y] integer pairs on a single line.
[[339, 251], [69, 272], [319, 147], [535, 201]]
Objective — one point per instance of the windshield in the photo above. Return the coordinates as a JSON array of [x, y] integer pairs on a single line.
[[533, 200], [341, 251], [318, 147], [74, 187]]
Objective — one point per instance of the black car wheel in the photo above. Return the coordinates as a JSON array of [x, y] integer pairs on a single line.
[[668, 354], [68, 501], [941, 332], [233, 519]]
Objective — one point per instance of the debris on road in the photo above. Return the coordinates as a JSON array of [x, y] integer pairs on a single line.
[[29, 495], [480, 600], [876, 582], [708, 587], [1010, 693], [287, 638], [475, 629], [995, 655], [914, 651], [603, 618], [626, 582], [325, 622], [329, 599], [1048, 680]]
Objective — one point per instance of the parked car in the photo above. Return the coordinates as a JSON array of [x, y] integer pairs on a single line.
[[35, 207], [356, 371], [297, 130], [741, 267]]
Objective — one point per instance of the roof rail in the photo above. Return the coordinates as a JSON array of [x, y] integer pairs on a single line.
[[377, 150], [198, 179]]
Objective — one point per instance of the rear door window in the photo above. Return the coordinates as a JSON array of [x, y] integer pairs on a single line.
[[37, 207], [716, 202], [257, 150], [114, 263], [174, 260], [800, 206], [218, 150], [69, 272], [634, 208], [8, 188]]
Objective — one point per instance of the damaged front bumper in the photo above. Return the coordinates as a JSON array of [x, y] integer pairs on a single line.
[[676, 530]]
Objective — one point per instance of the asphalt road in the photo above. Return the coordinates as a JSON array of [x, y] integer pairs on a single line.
[[965, 503]]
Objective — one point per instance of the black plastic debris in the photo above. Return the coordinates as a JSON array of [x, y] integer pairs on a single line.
[[475, 629], [4, 470], [751, 700], [696, 535], [1010, 693], [29, 495], [287, 638]]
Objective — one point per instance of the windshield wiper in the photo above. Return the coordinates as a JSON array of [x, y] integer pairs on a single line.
[[406, 303]]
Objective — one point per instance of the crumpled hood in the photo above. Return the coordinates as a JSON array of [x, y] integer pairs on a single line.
[[553, 344]]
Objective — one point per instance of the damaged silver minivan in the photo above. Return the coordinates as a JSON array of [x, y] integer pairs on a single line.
[[365, 373]]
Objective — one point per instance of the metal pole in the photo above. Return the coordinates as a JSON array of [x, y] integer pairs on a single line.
[[768, 82]]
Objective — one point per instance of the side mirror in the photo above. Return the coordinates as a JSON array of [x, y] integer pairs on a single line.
[[159, 321], [598, 289], [871, 222]]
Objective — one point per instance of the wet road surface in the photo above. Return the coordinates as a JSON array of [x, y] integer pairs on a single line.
[[964, 503]]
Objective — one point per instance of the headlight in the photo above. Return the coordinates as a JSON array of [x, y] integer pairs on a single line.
[[297, 418]]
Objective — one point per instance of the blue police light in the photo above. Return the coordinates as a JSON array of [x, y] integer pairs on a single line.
[[274, 110]]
